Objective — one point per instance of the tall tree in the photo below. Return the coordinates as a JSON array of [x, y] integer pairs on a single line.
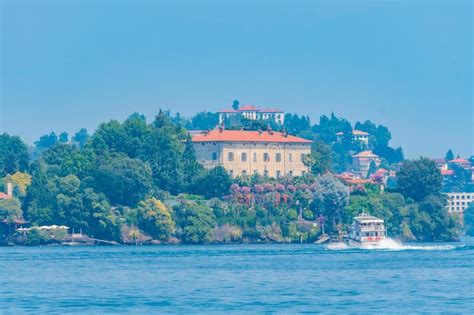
[[469, 220], [154, 218], [419, 178], [235, 104], [81, 137], [321, 154], [330, 199], [205, 121], [449, 155], [63, 137], [123, 180], [196, 222], [47, 141], [14, 155]]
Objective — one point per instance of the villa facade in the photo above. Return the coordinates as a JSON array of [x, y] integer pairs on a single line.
[[357, 135], [458, 202], [253, 113], [361, 162], [242, 153]]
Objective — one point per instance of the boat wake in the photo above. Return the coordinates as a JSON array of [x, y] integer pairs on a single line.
[[389, 245]]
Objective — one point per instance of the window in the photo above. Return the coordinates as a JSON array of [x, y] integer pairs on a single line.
[[244, 173], [266, 157], [462, 197], [291, 173], [302, 157], [244, 157], [255, 172], [278, 157], [265, 173], [303, 172], [230, 156], [231, 173], [255, 157], [278, 174], [214, 156], [290, 157]]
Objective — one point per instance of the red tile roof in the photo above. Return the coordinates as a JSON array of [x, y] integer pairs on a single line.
[[248, 108], [227, 111], [359, 133], [247, 136], [447, 172], [460, 161], [4, 196], [365, 154]]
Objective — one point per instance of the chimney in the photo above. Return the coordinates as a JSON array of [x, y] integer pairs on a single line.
[[10, 189]]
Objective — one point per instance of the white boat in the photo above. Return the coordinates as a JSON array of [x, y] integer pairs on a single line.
[[367, 230]]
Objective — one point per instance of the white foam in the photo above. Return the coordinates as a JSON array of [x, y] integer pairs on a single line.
[[337, 246], [391, 245]]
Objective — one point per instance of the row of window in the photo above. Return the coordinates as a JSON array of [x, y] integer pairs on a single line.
[[266, 157], [457, 209], [265, 173], [462, 203], [461, 197]]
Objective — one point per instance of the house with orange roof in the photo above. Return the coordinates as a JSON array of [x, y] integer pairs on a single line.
[[361, 162], [253, 113], [462, 163], [357, 135], [242, 153], [9, 192]]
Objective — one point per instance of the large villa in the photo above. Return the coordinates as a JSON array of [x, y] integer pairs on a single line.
[[267, 153], [253, 113]]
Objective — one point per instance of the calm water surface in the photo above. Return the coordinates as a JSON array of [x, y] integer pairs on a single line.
[[237, 278]]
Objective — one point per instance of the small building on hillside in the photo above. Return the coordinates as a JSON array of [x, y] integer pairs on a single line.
[[357, 135], [441, 163], [465, 164], [361, 162], [459, 201], [253, 113], [241, 153]]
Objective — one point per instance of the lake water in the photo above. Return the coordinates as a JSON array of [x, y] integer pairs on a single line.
[[238, 278]]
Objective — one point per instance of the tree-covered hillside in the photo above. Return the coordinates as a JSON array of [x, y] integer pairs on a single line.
[[138, 180]]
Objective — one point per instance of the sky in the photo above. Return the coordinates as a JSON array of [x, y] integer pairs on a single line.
[[408, 65]]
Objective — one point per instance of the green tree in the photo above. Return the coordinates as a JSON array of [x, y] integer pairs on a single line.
[[47, 141], [63, 137], [321, 155], [235, 104], [125, 181], [442, 225], [213, 183], [10, 209], [14, 155], [449, 155], [418, 179], [469, 220], [330, 199], [205, 121], [196, 222], [372, 169], [81, 137], [154, 218]]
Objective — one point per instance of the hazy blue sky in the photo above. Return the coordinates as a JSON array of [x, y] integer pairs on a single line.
[[404, 64]]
